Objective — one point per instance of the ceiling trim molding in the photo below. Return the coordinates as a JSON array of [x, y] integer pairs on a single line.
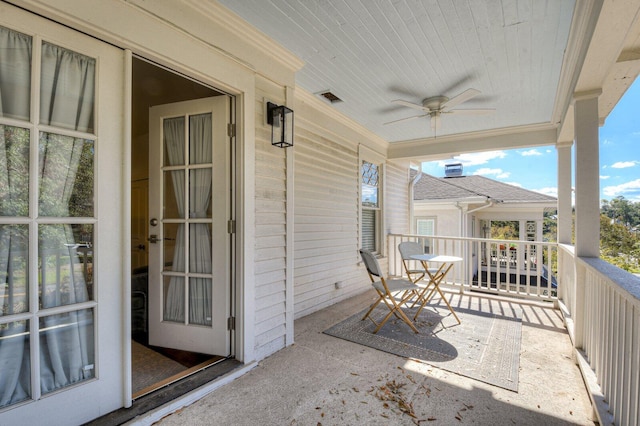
[[228, 20], [446, 146]]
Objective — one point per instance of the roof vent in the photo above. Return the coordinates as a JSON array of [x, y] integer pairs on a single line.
[[328, 96], [453, 170]]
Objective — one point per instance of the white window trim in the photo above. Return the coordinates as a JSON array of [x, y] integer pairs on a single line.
[[433, 218], [367, 154]]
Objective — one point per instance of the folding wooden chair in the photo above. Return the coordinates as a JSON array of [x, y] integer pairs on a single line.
[[408, 249], [388, 292], [415, 274]]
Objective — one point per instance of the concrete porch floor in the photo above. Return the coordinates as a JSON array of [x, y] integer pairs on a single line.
[[323, 380]]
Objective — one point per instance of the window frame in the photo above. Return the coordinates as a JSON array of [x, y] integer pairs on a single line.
[[366, 154], [434, 219]]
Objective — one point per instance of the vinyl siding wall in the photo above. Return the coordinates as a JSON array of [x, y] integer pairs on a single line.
[[270, 231], [327, 210], [326, 219]]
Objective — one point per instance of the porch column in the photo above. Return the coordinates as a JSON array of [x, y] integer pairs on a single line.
[[587, 194], [565, 219], [587, 174]]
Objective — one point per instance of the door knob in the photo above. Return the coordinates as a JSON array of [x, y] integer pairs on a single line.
[[153, 222], [153, 239], [141, 247]]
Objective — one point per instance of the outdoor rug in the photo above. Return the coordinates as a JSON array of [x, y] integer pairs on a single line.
[[485, 347]]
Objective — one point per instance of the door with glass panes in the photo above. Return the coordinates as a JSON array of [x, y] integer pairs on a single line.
[[61, 94], [188, 235]]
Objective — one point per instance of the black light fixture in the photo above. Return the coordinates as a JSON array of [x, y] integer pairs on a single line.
[[281, 119]]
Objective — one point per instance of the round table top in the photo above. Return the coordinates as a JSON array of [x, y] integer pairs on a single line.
[[436, 258]]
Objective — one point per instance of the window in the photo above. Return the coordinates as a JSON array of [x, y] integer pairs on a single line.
[[370, 203], [426, 226]]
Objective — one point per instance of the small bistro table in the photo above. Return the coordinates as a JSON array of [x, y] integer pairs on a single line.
[[435, 278]]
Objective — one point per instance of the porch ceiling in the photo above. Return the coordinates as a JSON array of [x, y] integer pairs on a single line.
[[526, 57]]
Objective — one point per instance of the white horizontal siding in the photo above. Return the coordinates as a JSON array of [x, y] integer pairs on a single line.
[[326, 218], [270, 230], [396, 200]]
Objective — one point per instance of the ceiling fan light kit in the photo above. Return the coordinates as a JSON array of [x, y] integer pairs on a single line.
[[435, 106]]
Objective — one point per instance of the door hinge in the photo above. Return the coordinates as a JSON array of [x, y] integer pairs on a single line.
[[231, 130], [231, 323], [231, 227]]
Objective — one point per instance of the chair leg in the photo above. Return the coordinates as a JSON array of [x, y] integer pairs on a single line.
[[373, 306], [394, 309]]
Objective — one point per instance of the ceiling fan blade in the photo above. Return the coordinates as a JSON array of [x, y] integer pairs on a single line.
[[409, 104], [405, 119], [478, 111], [462, 97]]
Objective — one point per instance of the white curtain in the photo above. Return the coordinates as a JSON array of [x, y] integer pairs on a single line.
[[15, 95], [67, 98], [15, 74], [200, 152], [174, 144], [200, 238]]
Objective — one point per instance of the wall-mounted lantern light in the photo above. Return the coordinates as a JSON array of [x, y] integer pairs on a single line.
[[281, 119]]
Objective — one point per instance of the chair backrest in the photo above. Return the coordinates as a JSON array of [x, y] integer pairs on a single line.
[[408, 249], [371, 263]]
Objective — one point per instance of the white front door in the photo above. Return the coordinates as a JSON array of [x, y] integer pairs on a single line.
[[188, 237], [61, 227]]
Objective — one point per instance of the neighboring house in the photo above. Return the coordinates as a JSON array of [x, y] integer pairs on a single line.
[[134, 138], [464, 206]]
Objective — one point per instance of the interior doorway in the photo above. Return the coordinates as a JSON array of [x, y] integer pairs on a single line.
[[178, 271]]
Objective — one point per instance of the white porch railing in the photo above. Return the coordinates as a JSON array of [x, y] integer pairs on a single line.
[[604, 304], [601, 305], [517, 268]]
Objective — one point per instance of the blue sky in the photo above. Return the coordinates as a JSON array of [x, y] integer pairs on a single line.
[[536, 168]]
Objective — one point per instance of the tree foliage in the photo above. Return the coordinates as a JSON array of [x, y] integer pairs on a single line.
[[619, 233]]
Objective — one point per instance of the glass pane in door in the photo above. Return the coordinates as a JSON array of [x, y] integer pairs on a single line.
[[15, 69], [14, 269], [67, 87], [15, 368], [65, 255], [173, 294], [67, 348], [66, 176], [14, 171]]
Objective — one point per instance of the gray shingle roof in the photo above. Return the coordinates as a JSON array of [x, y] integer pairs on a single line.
[[448, 188]]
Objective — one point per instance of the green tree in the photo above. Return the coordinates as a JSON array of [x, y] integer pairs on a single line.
[[619, 245]]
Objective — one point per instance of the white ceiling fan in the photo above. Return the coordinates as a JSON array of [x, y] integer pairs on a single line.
[[435, 106]]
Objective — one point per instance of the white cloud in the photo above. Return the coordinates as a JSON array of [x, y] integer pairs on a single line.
[[604, 177], [487, 171], [530, 153], [498, 173], [628, 189], [515, 184], [624, 164], [606, 142], [475, 159], [551, 190]]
